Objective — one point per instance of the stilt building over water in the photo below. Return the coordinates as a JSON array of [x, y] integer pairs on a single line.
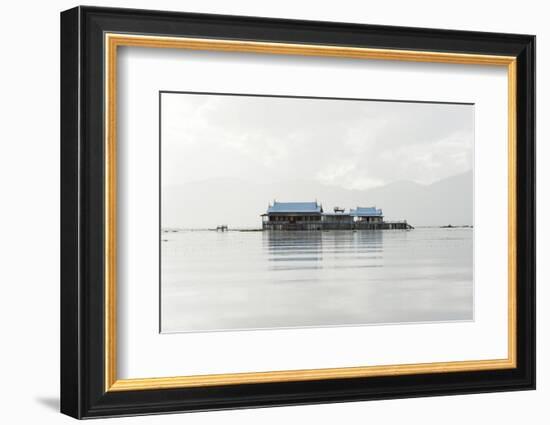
[[310, 216]]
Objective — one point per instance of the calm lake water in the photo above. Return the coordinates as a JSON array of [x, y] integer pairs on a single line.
[[248, 280]]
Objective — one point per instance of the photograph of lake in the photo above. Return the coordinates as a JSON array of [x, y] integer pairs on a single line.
[[295, 212]]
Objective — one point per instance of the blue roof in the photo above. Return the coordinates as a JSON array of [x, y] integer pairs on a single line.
[[366, 212], [294, 207]]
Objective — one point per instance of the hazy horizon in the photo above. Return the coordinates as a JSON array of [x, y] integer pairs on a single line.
[[220, 202]]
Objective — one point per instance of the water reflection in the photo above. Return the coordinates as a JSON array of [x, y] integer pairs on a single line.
[[250, 280], [357, 249]]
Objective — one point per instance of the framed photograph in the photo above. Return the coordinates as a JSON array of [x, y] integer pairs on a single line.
[[261, 212]]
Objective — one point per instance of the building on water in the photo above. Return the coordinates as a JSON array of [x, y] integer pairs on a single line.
[[310, 216], [367, 218], [293, 216], [337, 220]]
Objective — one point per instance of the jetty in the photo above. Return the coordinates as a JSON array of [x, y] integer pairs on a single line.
[[311, 216]]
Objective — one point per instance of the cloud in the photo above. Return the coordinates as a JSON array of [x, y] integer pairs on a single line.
[[351, 144]]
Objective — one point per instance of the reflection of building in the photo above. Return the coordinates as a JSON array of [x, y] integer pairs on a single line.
[[310, 216]]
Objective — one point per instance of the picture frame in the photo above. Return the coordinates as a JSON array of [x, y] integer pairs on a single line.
[[91, 37]]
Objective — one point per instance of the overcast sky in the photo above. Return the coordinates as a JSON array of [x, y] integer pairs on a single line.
[[348, 144]]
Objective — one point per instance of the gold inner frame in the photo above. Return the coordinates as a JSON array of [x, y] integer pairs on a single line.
[[113, 41]]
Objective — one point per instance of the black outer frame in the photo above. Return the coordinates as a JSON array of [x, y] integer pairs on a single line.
[[82, 212]]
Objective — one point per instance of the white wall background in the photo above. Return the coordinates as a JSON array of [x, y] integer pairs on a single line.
[[29, 217]]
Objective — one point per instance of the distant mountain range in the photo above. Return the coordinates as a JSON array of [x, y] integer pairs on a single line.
[[239, 203]]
